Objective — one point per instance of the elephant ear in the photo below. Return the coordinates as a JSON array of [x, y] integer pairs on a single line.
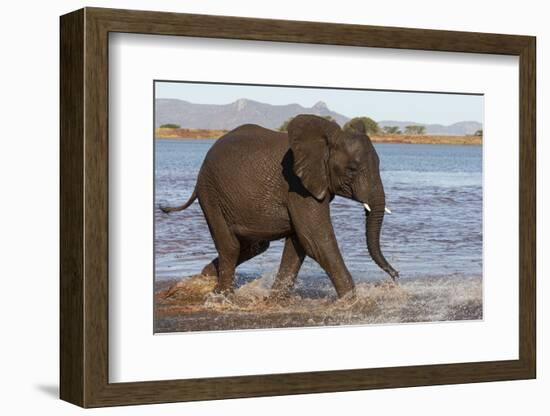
[[309, 138]]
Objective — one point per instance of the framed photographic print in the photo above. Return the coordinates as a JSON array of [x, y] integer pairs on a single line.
[[255, 207]]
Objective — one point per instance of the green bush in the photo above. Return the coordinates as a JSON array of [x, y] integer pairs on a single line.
[[371, 126], [170, 126], [391, 130], [284, 126], [415, 129]]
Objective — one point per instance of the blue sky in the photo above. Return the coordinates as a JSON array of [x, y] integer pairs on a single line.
[[380, 105]]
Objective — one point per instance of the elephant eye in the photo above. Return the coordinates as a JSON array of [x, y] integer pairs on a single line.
[[352, 166], [350, 170]]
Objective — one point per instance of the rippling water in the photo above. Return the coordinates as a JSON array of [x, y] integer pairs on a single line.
[[434, 191]]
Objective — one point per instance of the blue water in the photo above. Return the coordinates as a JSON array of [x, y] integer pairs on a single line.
[[434, 192]]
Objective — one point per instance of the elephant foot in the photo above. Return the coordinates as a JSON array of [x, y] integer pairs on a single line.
[[348, 300], [219, 299]]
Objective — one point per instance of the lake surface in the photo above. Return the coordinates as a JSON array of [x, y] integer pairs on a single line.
[[434, 192]]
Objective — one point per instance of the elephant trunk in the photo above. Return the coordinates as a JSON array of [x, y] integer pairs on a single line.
[[374, 219]]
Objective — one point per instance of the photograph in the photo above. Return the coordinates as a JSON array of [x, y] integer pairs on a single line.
[[291, 206]]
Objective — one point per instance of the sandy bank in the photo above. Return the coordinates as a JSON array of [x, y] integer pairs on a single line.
[[167, 133], [427, 139]]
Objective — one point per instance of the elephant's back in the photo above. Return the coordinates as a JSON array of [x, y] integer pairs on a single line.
[[244, 170], [252, 138], [248, 145]]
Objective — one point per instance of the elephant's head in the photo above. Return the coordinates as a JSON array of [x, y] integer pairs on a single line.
[[330, 161]]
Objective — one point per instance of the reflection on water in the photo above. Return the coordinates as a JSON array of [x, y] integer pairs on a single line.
[[435, 230]]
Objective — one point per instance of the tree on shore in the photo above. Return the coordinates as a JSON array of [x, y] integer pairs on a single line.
[[391, 130], [415, 130], [170, 126], [371, 126], [478, 133], [284, 126]]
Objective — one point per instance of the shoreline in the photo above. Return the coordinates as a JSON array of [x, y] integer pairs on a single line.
[[214, 134]]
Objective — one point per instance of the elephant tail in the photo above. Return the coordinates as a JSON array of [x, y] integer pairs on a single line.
[[182, 207]]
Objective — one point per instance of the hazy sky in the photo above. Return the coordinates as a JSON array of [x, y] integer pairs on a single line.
[[380, 105]]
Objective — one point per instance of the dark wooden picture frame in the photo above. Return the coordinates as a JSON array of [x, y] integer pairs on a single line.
[[84, 207]]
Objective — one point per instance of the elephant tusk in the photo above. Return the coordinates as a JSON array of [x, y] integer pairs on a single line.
[[368, 208]]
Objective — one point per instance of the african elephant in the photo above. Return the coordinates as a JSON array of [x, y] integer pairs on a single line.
[[258, 185]]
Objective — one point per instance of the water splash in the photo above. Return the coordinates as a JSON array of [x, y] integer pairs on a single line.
[[189, 305]]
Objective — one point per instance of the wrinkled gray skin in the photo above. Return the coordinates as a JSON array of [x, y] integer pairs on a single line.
[[257, 185]]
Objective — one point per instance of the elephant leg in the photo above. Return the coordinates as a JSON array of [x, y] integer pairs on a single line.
[[228, 256], [314, 231], [226, 242], [248, 251], [291, 261], [324, 250]]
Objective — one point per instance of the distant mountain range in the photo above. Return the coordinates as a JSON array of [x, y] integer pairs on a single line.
[[462, 128], [229, 116]]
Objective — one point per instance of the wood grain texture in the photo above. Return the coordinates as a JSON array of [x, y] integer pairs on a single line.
[[527, 208], [225, 27], [71, 184], [84, 207], [96, 208]]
